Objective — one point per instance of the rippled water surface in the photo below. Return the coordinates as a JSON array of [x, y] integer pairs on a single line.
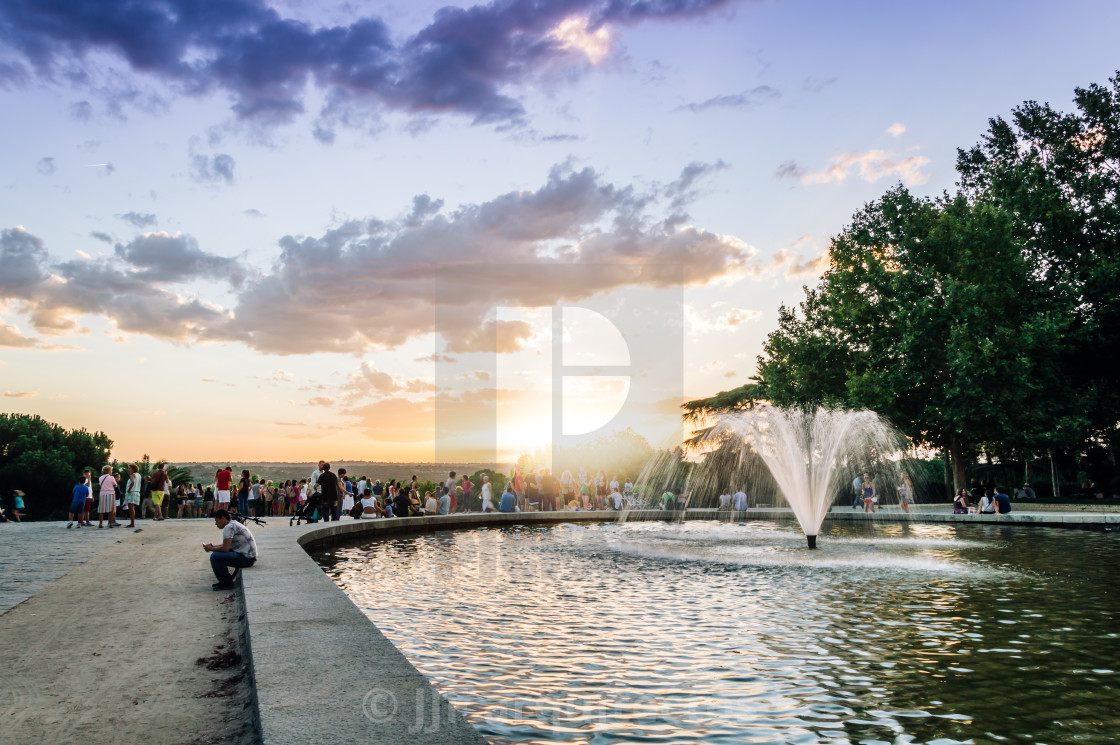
[[715, 633]]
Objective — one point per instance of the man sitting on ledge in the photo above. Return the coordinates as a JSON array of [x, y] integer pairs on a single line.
[[1003, 502], [238, 550]]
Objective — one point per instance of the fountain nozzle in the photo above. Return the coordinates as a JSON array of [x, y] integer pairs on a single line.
[[812, 539]]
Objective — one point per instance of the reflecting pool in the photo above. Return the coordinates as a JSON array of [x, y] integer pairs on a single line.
[[721, 633]]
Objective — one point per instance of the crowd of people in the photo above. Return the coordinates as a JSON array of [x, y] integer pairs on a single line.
[[328, 495], [987, 500], [331, 494]]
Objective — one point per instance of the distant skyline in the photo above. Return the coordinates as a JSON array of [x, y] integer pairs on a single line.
[[222, 224]]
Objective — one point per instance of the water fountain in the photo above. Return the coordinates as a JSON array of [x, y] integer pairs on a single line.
[[812, 454]]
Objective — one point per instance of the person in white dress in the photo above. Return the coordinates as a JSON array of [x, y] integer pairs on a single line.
[[487, 495]]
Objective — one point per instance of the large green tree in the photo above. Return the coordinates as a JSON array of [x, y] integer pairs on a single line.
[[1059, 175], [45, 460], [987, 320], [923, 316]]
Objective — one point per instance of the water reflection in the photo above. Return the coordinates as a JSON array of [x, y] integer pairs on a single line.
[[714, 633]]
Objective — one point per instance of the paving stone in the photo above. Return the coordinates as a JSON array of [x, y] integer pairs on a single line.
[[34, 554]]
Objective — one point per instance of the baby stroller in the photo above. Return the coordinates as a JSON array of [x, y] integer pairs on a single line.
[[308, 512]]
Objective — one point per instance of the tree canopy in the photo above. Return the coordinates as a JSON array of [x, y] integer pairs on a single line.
[[981, 320], [45, 460]]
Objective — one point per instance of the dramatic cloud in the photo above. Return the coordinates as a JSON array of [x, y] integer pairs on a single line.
[[423, 207], [216, 169], [871, 166], [763, 94], [481, 255], [464, 61], [53, 294], [141, 221], [175, 258], [432, 270], [574, 34]]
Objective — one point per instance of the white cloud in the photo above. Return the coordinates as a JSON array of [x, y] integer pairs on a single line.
[[793, 266], [10, 336], [719, 316], [896, 129], [871, 166]]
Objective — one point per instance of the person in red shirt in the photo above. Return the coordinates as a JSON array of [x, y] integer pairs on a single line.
[[223, 480], [519, 490]]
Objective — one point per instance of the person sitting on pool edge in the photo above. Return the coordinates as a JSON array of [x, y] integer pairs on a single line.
[[509, 500], [1003, 502], [238, 550]]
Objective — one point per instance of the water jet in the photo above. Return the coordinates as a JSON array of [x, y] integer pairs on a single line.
[[812, 455]]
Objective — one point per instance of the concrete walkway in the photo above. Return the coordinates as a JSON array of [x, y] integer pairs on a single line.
[[110, 636], [101, 633]]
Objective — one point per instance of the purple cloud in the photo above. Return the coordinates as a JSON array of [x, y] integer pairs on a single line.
[[463, 62]]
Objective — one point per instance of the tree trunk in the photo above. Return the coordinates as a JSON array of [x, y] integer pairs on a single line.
[[1053, 475], [957, 456]]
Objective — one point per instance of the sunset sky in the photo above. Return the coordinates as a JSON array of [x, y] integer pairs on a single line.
[[287, 230]]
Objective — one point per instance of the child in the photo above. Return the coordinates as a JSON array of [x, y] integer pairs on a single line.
[[78, 503], [87, 479], [17, 498]]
